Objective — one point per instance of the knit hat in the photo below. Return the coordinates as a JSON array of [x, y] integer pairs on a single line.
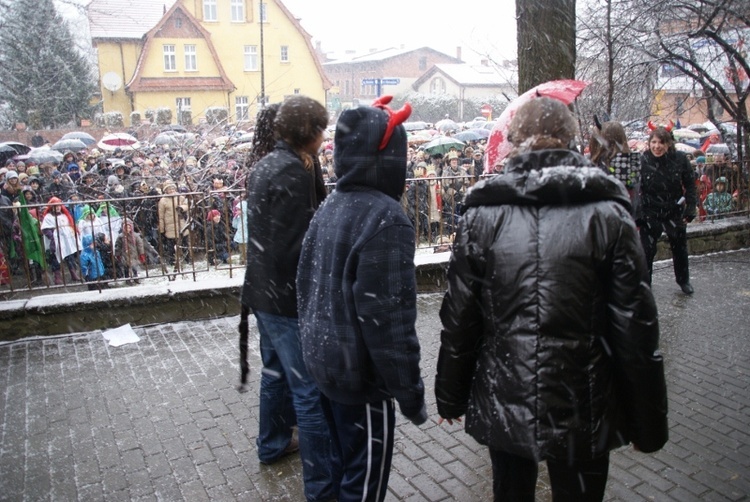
[[113, 180], [23, 177], [212, 213], [700, 160], [73, 167], [10, 175], [55, 174]]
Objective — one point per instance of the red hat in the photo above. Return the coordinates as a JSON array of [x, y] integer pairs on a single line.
[[212, 213]]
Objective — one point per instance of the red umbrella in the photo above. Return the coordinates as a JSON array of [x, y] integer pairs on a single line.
[[498, 146]]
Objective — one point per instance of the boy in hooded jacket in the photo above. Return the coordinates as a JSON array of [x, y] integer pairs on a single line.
[[356, 295]]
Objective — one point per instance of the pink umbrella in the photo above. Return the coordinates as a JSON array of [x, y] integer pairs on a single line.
[[498, 146]]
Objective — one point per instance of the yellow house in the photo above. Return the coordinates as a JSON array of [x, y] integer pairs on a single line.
[[192, 56]]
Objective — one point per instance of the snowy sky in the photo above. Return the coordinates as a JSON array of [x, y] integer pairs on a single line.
[[477, 26]]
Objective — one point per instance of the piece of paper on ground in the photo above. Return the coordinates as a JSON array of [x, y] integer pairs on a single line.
[[120, 336]]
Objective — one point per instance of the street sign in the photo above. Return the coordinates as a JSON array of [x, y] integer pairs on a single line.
[[370, 81], [390, 81], [486, 110]]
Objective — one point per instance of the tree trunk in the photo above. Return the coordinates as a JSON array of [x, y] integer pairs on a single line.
[[546, 41]]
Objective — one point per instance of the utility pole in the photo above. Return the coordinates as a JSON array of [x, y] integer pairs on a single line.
[[261, 16]]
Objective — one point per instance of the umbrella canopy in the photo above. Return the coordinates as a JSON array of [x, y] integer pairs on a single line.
[[166, 139], [19, 148], [682, 147], [69, 145], [121, 140], [43, 155], [498, 146], [483, 132], [442, 144], [85, 137], [680, 134], [446, 125], [470, 135]]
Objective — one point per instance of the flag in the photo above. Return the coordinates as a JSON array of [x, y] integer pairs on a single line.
[[30, 235]]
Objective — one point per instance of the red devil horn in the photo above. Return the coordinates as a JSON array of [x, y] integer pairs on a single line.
[[394, 118], [669, 126], [651, 125]]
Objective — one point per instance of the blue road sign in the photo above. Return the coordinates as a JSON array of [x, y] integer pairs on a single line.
[[370, 81], [390, 81]]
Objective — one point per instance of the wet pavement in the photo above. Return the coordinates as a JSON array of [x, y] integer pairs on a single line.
[[161, 419]]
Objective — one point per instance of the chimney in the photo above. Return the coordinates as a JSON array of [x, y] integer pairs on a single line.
[[458, 53], [318, 46], [484, 62]]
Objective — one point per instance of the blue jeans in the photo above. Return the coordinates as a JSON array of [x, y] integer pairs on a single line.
[[286, 390]]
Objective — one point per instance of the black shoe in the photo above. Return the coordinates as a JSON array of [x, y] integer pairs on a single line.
[[687, 288]]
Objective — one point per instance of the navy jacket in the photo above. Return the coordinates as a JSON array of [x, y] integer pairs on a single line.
[[356, 278]]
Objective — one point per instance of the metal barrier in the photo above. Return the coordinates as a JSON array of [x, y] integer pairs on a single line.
[[174, 236]]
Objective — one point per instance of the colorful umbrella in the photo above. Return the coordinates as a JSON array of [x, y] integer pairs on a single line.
[[120, 140], [498, 146]]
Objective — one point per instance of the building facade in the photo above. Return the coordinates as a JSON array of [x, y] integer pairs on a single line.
[[389, 71], [192, 56]]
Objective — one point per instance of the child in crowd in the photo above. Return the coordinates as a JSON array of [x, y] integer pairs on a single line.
[[104, 246], [130, 251], [216, 238], [92, 267], [719, 202], [239, 224]]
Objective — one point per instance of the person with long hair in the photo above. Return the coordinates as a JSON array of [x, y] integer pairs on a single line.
[[284, 189], [668, 201], [610, 151]]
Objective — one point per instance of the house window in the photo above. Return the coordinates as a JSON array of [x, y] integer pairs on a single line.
[[241, 108], [191, 58], [178, 22], [182, 105], [251, 58], [423, 63], [209, 10], [238, 11], [437, 86], [297, 91], [284, 53], [170, 60], [263, 12]]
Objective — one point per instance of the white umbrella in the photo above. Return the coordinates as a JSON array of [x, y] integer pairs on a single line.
[[121, 140], [686, 134]]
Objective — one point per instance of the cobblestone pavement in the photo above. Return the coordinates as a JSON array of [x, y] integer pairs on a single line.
[[161, 419]]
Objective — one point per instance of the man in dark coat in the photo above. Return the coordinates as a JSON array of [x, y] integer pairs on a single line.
[[357, 299], [550, 332], [284, 190]]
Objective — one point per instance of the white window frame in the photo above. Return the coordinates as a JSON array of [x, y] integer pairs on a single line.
[[241, 108], [183, 104], [210, 12], [191, 57], [170, 57], [237, 9], [284, 55], [251, 58], [263, 12]]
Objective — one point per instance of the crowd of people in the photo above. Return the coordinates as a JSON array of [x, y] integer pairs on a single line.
[[146, 207], [550, 335]]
